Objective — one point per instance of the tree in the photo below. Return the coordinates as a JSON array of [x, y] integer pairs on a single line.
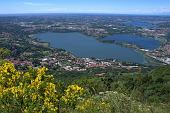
[[4, 53]]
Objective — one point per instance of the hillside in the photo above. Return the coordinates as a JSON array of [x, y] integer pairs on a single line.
[[36, 90]]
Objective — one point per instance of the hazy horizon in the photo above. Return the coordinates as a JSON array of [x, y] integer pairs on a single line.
[[142, 7], [73, 13]]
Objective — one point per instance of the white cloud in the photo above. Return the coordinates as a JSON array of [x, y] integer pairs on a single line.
[[37, 4], [47, 7], [52, 10], [143, 11]]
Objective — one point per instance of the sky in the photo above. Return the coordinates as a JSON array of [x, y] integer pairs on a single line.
[[85, 6]]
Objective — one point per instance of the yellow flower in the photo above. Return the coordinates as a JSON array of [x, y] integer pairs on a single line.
[[72, 93]]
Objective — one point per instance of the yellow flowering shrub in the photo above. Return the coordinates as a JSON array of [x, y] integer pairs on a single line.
[[112, 102], [91, 105], [32, 92], [71, 94]]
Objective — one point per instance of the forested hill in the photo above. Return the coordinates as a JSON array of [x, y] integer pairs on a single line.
[[28, 90]]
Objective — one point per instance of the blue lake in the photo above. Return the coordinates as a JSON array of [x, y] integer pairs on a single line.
[[145, 43], [140, 24], [86, 46]]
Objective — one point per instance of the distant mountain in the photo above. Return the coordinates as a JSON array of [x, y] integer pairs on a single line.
[[163, 13]]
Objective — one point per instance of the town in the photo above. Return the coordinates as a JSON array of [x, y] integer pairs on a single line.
[[18, 37]]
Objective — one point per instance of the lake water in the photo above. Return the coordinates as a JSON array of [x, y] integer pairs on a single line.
[[145, 43], [86, 46], [140, 24]]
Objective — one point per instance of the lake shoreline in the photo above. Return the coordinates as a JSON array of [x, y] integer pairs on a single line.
[[126, 45]]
